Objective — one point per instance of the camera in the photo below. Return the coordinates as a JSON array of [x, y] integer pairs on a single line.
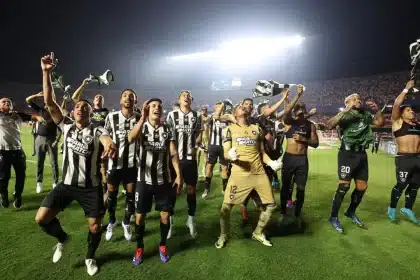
[[228, 106]]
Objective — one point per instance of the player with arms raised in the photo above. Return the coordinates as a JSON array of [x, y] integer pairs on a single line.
[[406, 130], [244, 147], [356, 130], [81, 178], [300, 134]]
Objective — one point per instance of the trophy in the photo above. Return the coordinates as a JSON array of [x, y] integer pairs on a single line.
[[415, 58], [104, 79], [57, 83]]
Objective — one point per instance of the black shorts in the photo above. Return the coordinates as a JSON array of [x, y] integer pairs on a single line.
[[407, 168], [90, 199], [215, 153], [295, 169], [126, 176], [353, 165], [189, 171], [145, 193]]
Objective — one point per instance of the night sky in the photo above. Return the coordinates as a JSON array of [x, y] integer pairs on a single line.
[[344, 38]]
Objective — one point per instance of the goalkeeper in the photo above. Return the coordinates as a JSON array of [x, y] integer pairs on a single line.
[[243, 145]]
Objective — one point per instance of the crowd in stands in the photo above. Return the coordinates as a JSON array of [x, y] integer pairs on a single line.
[[327, 96]]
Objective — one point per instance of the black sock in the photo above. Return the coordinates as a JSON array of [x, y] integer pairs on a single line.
[[112, 205], [356, 198], [224, 182], [396, 194], [300, 199], [208, 183], [129, 207], [94, 238], [338, 198], [54, 229], [192, 203], [173, 202], [284, 197], [140, 235], [410, 196], [164, 229]]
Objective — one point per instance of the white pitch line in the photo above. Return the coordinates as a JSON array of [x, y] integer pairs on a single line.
[[32, 161]]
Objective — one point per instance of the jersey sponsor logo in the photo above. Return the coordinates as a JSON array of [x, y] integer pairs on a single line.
[[122, 133], [155, 146], [247, 141], [78, 147], [184, 128]]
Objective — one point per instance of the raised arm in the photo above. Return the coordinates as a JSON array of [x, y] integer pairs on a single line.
[[218, 116], [311, 113], [268, 111], [288, 110], [378, 119], [333, 122], [227, 142], [30, 98], [396, 113], [78, 92], [135, 133], [48, 63]]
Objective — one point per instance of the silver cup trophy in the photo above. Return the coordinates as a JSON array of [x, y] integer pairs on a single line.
[[415, 63], [58, 83]]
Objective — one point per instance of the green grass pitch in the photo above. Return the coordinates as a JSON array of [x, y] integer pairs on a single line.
[[383, 251]]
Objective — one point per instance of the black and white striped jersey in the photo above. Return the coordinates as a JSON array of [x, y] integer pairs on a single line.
[[81, 157], [216, 132], [118, 128], [187, 127], [154, 154]]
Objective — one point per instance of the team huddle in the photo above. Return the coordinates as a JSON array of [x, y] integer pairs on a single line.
[[154, 159]]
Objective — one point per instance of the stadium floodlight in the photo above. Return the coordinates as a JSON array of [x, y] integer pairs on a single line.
[[238, 52], [236, 82], [193, 56]]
